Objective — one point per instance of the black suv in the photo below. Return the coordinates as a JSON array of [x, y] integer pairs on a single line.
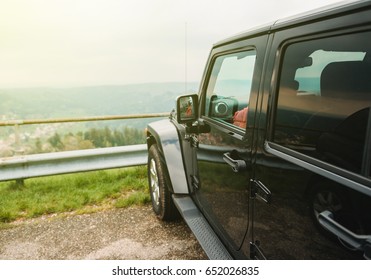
[[272, 159]]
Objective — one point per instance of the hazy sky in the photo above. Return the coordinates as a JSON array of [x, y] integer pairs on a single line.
[[99, 42]]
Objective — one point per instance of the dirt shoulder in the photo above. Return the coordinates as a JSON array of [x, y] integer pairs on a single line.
[[125, 234]]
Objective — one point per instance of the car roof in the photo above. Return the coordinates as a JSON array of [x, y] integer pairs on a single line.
[[322, 12]]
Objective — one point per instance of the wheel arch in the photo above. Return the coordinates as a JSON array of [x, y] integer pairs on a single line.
[[165, 135]]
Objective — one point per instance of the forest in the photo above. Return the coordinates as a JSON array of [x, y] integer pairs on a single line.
[[93, 138]]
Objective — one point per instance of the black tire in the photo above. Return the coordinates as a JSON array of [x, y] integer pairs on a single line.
[[159, 182]]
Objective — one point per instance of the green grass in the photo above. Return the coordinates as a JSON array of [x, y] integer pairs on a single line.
[[82, 192]]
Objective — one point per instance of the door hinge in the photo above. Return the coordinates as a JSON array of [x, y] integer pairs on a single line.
[[260, 191], [195, 182], [194, 141], [255, 252]]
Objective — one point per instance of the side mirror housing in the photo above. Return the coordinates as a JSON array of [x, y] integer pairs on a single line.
[[187, 108]]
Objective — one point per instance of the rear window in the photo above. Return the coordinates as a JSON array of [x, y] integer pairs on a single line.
[[309, 77], [324, 100]]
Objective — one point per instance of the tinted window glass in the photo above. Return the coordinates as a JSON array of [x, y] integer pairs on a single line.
[[229, 88], [324, 100]]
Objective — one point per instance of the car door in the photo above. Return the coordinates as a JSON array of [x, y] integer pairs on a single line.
[[224, 151], [315, 156]]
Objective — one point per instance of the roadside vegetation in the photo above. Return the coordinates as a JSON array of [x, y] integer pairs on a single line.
[[79, 193], [36, 143]]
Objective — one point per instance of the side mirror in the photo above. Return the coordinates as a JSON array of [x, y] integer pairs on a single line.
[[187, 108]]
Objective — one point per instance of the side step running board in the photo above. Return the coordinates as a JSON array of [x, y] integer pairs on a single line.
[[207, 238]]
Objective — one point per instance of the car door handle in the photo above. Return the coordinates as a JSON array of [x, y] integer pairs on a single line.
[[358, 242], [234, 161]]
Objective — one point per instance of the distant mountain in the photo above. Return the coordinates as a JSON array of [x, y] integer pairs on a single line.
[[44, 103]]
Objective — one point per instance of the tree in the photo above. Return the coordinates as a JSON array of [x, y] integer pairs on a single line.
[[56, 142]]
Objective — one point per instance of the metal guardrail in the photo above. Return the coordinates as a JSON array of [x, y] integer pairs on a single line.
[[37, 165], [82, 119], [29, 166]]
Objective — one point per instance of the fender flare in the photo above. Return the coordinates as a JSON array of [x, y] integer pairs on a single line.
[[166, 137]]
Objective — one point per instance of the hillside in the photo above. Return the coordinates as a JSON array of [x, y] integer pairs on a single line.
[[47, 103]]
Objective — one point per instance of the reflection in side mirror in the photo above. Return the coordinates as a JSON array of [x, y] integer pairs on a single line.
[[187, 107]]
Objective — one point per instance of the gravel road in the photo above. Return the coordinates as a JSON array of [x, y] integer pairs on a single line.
[[126, 234]]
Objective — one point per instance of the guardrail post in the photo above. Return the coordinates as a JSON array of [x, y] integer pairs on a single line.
[[18, 151]]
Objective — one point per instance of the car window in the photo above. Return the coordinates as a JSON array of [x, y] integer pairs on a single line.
[[229, 88], [309, 77], [324, 100]]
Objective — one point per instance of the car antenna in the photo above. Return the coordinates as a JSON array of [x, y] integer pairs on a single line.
[[185, 58]]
